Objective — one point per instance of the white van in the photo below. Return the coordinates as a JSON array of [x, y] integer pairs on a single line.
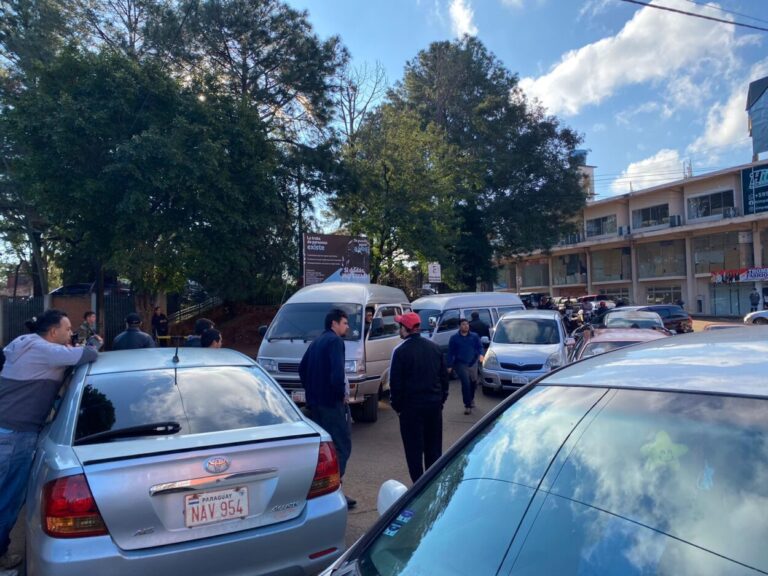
[[368, 352], [441, 313]]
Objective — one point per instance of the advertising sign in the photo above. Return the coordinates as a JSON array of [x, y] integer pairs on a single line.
[[740, 275], [331, 258], [754, 187]]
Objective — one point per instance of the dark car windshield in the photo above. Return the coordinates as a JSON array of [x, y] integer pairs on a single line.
[[306, 320], [645, 483], [526, 331], [206, 399]]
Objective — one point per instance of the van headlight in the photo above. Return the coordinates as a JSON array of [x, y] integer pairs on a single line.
[[354, 366], [269, 364], [554, 361], [491, 362]]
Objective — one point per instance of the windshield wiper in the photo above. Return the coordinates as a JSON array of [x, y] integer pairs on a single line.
[[152, 429]]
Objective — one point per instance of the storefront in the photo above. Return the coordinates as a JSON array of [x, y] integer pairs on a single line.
[[730, 290]]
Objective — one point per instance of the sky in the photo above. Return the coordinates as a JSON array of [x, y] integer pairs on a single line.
[[650, 91]]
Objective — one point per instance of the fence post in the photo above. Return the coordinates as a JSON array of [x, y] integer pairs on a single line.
[[46, 301]]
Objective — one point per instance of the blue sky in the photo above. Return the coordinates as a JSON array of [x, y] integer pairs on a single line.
[[648, 89]]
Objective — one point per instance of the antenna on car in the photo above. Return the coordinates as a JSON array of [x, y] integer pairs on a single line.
[[176, 355]]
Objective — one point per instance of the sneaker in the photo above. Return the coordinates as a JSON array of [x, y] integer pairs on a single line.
[[467, 410], [351, 503], [9, 560]]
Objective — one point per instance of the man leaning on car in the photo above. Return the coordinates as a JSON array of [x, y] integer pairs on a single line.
[[31, 377]]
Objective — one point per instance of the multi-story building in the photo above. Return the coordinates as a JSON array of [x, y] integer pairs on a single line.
[[701, 240]]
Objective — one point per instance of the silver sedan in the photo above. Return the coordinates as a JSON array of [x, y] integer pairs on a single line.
[[188, 461]]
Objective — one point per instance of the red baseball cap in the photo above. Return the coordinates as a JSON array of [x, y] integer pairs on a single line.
[[410, 320]]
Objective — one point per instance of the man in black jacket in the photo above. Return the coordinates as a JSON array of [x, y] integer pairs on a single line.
[[418, 387], [132, 337]]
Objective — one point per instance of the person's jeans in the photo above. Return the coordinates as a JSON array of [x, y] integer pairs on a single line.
[[336, 421], [421, 429], [467, 375], [17, 449]]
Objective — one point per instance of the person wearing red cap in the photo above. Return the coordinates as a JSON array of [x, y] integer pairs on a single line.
[[418, 387]]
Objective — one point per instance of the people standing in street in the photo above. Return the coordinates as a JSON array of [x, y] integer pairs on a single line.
[[478, 326], [132, 337], [325, 384], [30, 380], [201, 325], [754, 300], [465, 352], [159, 326], [418, 387], [211, 338], [87, 328]]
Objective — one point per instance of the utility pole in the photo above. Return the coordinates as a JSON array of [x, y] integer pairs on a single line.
[[300, 229]]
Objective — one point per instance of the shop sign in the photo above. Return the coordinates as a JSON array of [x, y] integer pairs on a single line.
[[754, 187], [740, 275]]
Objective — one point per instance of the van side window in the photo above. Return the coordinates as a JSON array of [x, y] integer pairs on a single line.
[[449, 321], [484, 313], [504, 309], [384, 325]]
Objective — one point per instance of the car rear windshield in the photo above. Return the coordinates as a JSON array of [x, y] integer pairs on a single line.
[[636, 482], [207, 399], [526, 331], [595, 348], [306, 321]]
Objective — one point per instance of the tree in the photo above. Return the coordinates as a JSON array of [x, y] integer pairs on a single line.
[[400, 191], [359, 90], [523, 183]]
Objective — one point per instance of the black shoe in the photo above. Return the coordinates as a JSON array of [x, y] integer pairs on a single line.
[[351, 503], [467, 410]]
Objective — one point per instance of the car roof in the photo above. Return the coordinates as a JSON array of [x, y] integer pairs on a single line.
[[349, 292], [733, 362], [467, 299], [626, 334], [162, 358], [543, 314]]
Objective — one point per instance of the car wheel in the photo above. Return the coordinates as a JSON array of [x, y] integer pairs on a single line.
[[368, 411], [760, 321]]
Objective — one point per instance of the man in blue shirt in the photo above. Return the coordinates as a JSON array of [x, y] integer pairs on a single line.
[[322, 374], [464, 353]]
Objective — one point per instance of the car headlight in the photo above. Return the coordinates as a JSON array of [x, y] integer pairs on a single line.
[[269, 364], [554, 361], [491, 362], [354, 366]]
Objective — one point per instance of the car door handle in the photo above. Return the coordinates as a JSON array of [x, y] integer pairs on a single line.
[[194, 484]]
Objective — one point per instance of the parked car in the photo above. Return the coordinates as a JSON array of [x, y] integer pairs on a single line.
[[627, 318], [602, 340], [525, 345], [722, 326], [647, 460], [674, 317], [595, 299], [367, 355], [759, 317], [531, 300], [187, 461]]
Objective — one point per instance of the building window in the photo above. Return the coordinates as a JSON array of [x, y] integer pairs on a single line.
[[664, 294], [651, 216], [611, 265], [536, 273], [616, 294], [659, 259], [569, 269], [716, 204], [727, 251], [601, 226]]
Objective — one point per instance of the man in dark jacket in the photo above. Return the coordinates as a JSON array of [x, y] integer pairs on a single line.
[[478, 326], [465, 352], [418, 387], [322, 374], [31, 377], [132, 337], [201, 325]]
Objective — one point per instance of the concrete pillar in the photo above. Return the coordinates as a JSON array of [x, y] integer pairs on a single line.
[[635, 283], [589, 272], [551, 278], [757, 253], [690, 273]]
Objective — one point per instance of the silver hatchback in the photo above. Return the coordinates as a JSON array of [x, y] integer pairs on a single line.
[[182, 462]]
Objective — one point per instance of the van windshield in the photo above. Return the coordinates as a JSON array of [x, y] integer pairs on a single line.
[[429, 318], [306, 321]]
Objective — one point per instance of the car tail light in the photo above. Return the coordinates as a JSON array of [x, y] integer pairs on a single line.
[[69, 510], [327, 478]]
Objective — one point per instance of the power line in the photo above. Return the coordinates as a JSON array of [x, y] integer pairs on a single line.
[[685, 13], [724, 11]]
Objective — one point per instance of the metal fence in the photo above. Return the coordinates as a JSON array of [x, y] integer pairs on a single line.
[[192, 311], [16, 312], [116, 308]]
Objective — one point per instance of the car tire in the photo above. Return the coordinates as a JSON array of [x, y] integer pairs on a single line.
[[368, 411], [487, 391], [760, 321]]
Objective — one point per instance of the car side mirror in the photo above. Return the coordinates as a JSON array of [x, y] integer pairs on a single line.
[[432, 321], [263, 330], [485, 341], [389, 493]]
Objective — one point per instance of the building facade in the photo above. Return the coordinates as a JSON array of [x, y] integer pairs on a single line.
[[701, 240]]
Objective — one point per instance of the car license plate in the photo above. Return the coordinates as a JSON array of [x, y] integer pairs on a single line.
[[298, 396], [518, 379], [208, 507]]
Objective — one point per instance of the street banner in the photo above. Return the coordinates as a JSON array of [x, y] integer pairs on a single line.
[[739, 275], [333, 258]]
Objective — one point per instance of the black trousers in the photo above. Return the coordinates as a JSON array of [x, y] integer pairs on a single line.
[[421, 429]]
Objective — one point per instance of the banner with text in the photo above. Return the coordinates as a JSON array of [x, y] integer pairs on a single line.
[[740, 275], [332, 258]]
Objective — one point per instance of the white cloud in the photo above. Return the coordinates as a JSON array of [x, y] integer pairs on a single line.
[[461, 18], [653, 46], [664, 166], [599, 127], [594, 7], [726, 125], [513, 3]]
